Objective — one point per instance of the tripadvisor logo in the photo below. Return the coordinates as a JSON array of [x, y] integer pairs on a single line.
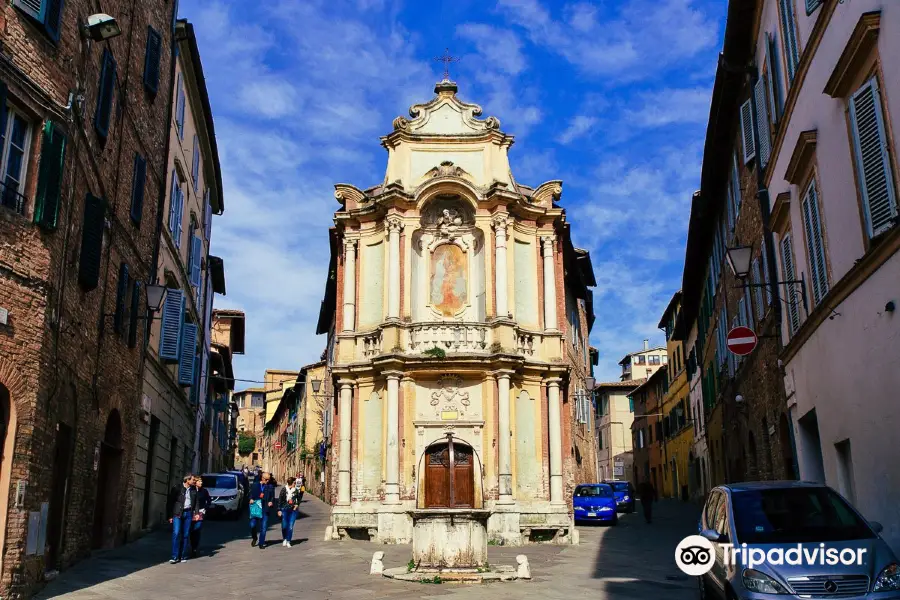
[[695, 555]]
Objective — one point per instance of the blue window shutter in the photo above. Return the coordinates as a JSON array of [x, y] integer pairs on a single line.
[[53, 18], [207, 216], [188, 354], [138, 184], [173, 203], [93, 225], [105, 93], [152, 57], [815, 245], [179, 107], [196, 257], [758, 291], [776, 94], [812, 5], [787, 267], [792, 54], [36, 9], [873, 164], [50, 175], [135, 316], [736, 182], [195, 167], [179, 216], [170, 329], [765, 272], [121, 293]]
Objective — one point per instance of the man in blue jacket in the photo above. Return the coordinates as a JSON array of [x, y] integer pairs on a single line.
[[181, 506], [263, 492]]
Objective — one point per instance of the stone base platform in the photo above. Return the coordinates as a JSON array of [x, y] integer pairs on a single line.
[[470, 576]]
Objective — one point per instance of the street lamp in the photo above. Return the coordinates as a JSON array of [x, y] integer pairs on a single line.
[[155, 295], [739, 260], [316, 385]]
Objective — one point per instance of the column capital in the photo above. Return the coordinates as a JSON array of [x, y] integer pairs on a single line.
[[346, 383], [547, 243], [553, 381], [502, 374], [500, 222], [350, 244], [393, 224], [397, 375]]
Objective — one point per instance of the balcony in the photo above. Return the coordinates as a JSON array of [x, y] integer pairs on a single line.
[[10, 198], [450, 337]]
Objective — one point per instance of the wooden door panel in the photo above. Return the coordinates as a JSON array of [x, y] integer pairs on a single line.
[[437, 478], [463, 480]]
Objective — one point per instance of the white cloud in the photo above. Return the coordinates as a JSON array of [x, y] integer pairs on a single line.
[[670, 106], [500, 49], [270, 97], [578, 126]]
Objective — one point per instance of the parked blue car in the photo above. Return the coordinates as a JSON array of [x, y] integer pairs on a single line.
[[624, 493], [595, 502]]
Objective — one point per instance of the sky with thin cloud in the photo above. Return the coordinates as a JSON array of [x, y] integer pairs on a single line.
[[612, 97]]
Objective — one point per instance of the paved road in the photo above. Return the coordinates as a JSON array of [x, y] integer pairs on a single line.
[[631, 561]]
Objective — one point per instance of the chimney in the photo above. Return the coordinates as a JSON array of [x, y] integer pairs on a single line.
[[646, 344]]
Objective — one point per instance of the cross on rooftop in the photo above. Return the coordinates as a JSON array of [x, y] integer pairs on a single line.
[[447, 59]]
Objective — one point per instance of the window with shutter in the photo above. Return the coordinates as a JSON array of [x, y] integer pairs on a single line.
[[152, 58], [812, 5], [93, 225], [170, 327], [736, 183], [121, 298], [765, 272], [787, 268], [207, 216], [135, 314], [873, 166], [105, 93], [729, 208], [50, 173], [748, 308], [188, 354], [15, 139], [138, 183], [195, 167], [815, 246], [48, 14], [747, 132], [179, 107], [789, 32], [762, 123], [196, 258], [773, 76]]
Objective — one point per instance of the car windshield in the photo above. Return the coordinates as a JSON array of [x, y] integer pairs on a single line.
[[596, 491], [619, 486], [795, 515], [227, 482]]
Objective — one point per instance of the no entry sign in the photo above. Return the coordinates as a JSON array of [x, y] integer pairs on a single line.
[[278, 445], [742, 340]]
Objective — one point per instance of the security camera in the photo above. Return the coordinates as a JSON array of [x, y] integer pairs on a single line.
[[101, 27], [738, 398]]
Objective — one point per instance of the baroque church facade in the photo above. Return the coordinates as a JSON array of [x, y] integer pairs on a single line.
[[458, 313]]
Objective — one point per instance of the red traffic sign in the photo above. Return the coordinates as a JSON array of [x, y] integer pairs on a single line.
[[278, 445], [742, 340]]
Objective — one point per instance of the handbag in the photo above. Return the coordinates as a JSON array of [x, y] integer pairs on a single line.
[[256, 511]]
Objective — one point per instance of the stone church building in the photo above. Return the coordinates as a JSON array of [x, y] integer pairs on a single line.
[[459, 312]]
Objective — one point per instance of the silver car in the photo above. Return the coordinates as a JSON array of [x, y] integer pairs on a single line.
[[785, 515]]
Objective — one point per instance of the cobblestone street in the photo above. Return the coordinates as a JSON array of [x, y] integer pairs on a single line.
[[632, 560]]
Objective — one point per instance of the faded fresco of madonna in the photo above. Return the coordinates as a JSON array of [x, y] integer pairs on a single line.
[[448, 279]]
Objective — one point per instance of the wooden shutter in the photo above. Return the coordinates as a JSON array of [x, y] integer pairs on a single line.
[[53, 18], [762, 123], [179, 107], [747, 132], [152, 57], [787, 267], [773, 76], [179, 215], [170, 328], [792, 54], [92, 228], [121, 296], [872, 162], [138, 183], [207, 215], [196, 257], [815, 246], [36, 9], [173, 202], [188, 354], [135, 316], [50, 173], [195, 167], [105, 93], [765, 272]]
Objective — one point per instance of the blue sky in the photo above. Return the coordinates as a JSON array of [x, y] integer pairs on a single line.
[[612, 97]]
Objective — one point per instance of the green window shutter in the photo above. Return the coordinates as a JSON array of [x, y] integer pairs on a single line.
[[50, 174], [92, 229], [135, 316], [873, 164], [121, 297], [105, 92], [815, 246]]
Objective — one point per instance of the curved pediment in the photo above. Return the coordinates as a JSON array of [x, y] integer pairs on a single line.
[[447, 115]]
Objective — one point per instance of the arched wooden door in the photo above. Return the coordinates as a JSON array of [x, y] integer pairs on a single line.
[[106, 503], [449, 476]]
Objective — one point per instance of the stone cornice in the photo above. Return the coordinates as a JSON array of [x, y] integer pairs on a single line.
[[862, 41], [781, 212], [802, 157]]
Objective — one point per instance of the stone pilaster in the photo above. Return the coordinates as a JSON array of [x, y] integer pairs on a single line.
[[394, 226], [554, 424], [547, 243], [349, 285], [500, 223], [346, 408]]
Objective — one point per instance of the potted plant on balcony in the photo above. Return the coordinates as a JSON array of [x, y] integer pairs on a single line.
[[436, 352]]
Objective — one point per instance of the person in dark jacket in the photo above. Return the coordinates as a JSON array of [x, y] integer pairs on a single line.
[[262, 492], [182, 503], [203, 502], [647, 494], [288, 509]]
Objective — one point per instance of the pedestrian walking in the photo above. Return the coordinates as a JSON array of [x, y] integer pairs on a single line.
[[288, 510], [301, 488], [262, 497], [203, 502], [182, 501], [647, 494]]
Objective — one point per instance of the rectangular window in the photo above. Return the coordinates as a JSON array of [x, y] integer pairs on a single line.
[[152, 60], [789, 32], [92, 228], [170, 327], [138, 183], [195, 259], [179, 107], [15, 139], [873, 165], [758, 290], [195, 167], [815, 245], [207, 215], [773, 76], [787, 268], [765, 271], [188, 354], [630, 404], [762, 123], [176, 209], [50, 176], [47, 13], [106, 88]]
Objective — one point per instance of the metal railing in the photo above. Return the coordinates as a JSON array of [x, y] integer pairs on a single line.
[[10, 198]]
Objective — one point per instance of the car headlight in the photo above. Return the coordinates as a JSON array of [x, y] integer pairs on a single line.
[[761, 583], [606, 508], [888, 580]]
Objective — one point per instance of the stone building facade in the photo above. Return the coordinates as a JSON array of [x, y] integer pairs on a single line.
[[176, 365], [251, 405], [615, 416], [461, 361], [77, 236]]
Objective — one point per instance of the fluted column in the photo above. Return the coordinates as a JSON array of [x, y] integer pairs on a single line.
[[346, 414], [349, 285], [394, 227], [549, 284], [500, 224], [554, 424], [505, 466], [392, 484]]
